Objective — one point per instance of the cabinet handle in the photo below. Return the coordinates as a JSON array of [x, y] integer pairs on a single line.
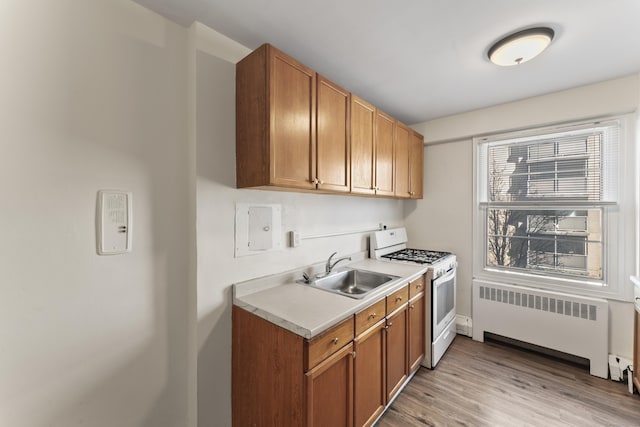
[[398, 298], [412, 306], [373, 315], [419, 286], [353, 354], [335, 341], [390, 324], [315, 181], [320, 182]]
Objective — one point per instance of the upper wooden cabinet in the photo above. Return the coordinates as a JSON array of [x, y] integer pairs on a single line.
[[416, 165], [292, 126], [332, 165], [297, 130], [363, 117], [275, 120], [385, 144], [402, 159], [372, 149]]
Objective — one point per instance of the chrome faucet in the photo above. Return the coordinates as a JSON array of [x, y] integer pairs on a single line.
[[330, 266]]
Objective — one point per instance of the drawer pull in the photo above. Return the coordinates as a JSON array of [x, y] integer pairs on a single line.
[[419, 286], [353, 354], [335, 341], [390, 324], [373, 315], [412, 306], [398, 298]]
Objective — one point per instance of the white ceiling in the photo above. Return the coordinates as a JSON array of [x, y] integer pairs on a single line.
[[422, 59]]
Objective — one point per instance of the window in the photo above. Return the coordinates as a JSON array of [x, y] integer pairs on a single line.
[[548, 205]]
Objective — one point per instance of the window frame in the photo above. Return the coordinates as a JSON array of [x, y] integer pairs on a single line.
[[618, 252]]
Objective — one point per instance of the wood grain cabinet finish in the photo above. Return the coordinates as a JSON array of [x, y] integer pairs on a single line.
[[396, 351], [636, 350], [369, 374], [329, 390], [417, 286], [327, 343], [402, 159], [370, 316], [398, 298], [333, 132], [416, 165], [416, 333], [345, 376], [275, 120], [363, 116], [261, 393], [297, 130], [385, 130]]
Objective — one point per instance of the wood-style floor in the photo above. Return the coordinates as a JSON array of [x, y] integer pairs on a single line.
[[494, 384]]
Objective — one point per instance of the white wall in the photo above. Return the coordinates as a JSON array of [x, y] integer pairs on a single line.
[[216, 198], [93, 97], [443, 220]]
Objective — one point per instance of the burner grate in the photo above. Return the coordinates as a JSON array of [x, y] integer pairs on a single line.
[[419, 256]]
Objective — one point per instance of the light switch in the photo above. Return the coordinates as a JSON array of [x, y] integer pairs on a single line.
[[113, 222]]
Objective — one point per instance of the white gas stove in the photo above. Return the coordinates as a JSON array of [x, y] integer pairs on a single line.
[[440, 301]]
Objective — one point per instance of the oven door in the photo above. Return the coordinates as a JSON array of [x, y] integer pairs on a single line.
[[444, 302]]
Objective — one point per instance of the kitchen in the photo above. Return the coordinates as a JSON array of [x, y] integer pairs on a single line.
[[144, 338]]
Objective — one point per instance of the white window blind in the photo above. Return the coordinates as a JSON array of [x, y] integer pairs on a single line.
[[544, 197], [578, 166]]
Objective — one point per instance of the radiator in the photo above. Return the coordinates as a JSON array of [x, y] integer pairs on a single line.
[[568, 323]]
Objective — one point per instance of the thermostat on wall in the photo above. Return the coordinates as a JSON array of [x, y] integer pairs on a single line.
[[113, 222]]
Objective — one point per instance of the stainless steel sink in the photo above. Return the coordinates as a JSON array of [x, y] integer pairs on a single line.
[[352, 283]]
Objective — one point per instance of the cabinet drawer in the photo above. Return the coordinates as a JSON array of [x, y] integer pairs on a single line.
[[416, 286], [370, 316], [396, 299], [319, 348]]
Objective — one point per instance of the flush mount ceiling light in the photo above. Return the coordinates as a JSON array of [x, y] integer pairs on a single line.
[[520, 47]]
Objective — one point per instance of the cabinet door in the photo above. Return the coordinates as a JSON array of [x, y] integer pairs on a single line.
[[416, 332], [332, 148], [292, 102], [384, 143], [403, 137], [396, 349], [369, 375], [416, 158], [329, 389], [362, 146]]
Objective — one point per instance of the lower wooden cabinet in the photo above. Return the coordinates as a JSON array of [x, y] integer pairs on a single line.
[[329, 389], [369, 375], [416, 333], [345, 376], [396, 351]]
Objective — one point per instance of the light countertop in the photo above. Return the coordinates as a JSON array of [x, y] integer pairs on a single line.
[[308, 311]]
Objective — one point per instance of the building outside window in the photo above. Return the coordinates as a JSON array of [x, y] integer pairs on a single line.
[[545, 202]]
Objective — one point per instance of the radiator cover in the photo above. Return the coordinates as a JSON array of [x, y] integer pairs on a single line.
[[568, 323]]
